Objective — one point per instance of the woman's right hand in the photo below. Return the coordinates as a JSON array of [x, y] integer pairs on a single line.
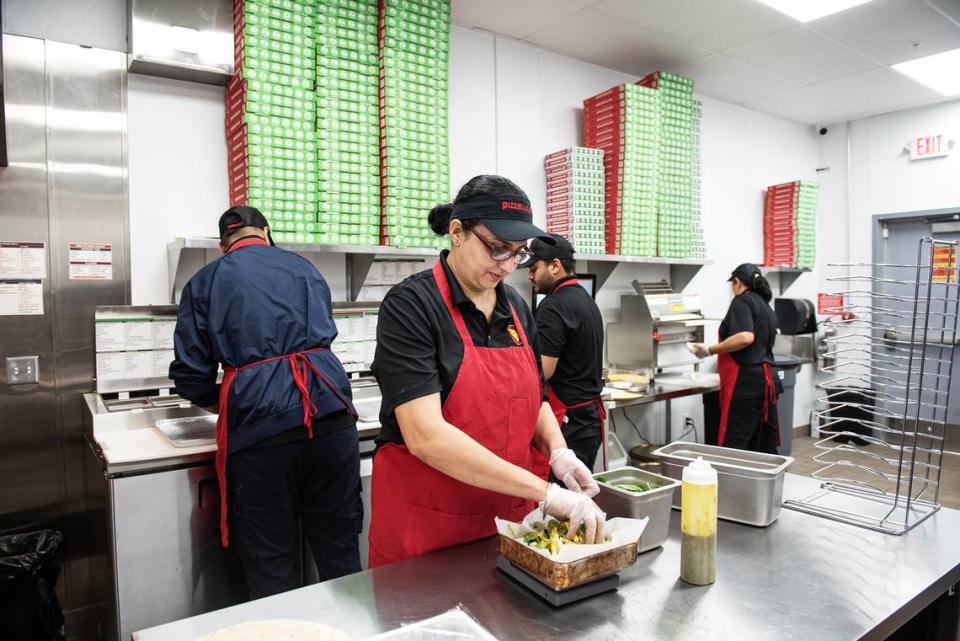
[[577, 508]]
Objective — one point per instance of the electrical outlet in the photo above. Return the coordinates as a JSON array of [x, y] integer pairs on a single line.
[[23, 370]]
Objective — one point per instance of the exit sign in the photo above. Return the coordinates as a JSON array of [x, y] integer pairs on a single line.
[[932, 146]]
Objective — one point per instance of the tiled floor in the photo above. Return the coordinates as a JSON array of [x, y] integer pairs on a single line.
[[804, 451]]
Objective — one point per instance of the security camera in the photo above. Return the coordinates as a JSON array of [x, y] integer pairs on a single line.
[[821, 129]]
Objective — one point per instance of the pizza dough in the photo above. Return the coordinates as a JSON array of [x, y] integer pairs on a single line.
[[277, 630]]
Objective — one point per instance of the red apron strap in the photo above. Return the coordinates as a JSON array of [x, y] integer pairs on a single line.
[[560, 411], [572, 281], [220, 459], [444, 286], [769, 398]]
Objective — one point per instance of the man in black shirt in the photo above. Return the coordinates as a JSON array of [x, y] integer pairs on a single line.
[[570, 329]]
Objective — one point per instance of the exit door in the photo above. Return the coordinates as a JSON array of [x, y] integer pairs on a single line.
[[898, 245]]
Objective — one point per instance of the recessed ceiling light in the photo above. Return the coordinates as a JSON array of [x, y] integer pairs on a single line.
[[807, 10], [940, 72]]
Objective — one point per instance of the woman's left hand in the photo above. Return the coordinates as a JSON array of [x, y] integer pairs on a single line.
[[571, 470]]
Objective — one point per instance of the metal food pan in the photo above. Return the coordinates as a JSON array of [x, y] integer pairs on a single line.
[[189, 432], [562, 576], [654, 504], [750, 484]]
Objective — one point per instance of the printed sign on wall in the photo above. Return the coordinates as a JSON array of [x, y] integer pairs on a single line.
[[91, 261]]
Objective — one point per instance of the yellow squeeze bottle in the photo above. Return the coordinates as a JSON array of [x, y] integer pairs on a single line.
[[698, 523]]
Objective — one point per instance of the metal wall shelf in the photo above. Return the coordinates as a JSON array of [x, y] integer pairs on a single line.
[[786, 276], [185, 256]]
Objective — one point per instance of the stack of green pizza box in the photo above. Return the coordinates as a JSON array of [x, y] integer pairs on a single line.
[[806, 223], [640, 176], [698, 241], [271, 112], [575, 197], [347, 124], [414, 39], [676, 162]]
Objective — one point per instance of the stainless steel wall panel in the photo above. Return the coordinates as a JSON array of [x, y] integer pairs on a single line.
[[66, 183], [86, 187], [95, 23], [28, 427]]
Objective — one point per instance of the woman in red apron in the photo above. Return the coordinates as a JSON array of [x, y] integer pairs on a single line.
[[465, 430], [748, 388]]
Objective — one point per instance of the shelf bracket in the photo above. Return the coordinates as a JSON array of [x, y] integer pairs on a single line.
[[681, 275], [602, 269], [358, 267]]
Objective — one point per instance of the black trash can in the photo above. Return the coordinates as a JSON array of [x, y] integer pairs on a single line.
[[29, 568], [785, 366]]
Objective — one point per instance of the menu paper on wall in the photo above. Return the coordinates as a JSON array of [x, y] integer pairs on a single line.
[[21, 298], [91, 261], [22, 261]]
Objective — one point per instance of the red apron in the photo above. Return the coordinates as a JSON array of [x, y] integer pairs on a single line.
[[729, 371], [300, 367], [496, 401], [560, 410]]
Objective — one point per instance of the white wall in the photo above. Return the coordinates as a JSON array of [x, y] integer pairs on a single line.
[[884, 180], [178, 173], [510, 104]]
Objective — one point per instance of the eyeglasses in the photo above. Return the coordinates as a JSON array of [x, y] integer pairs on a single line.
[[502, 254]]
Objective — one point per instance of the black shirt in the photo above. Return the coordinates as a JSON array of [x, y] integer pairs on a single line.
[[419, 350], [749, 313], [570, 328]]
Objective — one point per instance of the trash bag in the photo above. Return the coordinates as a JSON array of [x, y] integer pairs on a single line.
[[29, 568]]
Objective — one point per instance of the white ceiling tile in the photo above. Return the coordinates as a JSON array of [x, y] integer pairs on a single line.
[[514, 18], [885, 30], [949, 7], [605, 40], [800, 56], [724, 79], [862, 94], [708, 24]]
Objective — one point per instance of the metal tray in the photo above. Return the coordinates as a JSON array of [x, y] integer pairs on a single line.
[[750, 484], [189, 432], [563, 576], [654, 504]]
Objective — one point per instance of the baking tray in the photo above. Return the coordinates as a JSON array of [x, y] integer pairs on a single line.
[[654, 504], [749, 484], [563, 576], [194, 431]]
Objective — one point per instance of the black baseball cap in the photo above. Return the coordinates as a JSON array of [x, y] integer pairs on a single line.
[[242, 216], [745, 273], [508, 217], [560, 248]]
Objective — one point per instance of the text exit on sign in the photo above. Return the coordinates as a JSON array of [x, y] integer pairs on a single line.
[[932, 146]]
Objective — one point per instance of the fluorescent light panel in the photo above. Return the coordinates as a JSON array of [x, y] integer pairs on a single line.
[[940, 72], [807, 10]]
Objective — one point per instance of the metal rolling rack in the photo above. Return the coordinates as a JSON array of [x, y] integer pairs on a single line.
[[893, 357]]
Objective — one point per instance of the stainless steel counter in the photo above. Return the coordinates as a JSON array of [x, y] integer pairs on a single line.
[[802, 578], [669, 388]]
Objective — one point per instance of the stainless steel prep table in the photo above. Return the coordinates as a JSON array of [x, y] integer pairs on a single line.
[[802, 578], [667, 388]]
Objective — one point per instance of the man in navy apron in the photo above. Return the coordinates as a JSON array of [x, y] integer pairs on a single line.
[[287, 449]]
